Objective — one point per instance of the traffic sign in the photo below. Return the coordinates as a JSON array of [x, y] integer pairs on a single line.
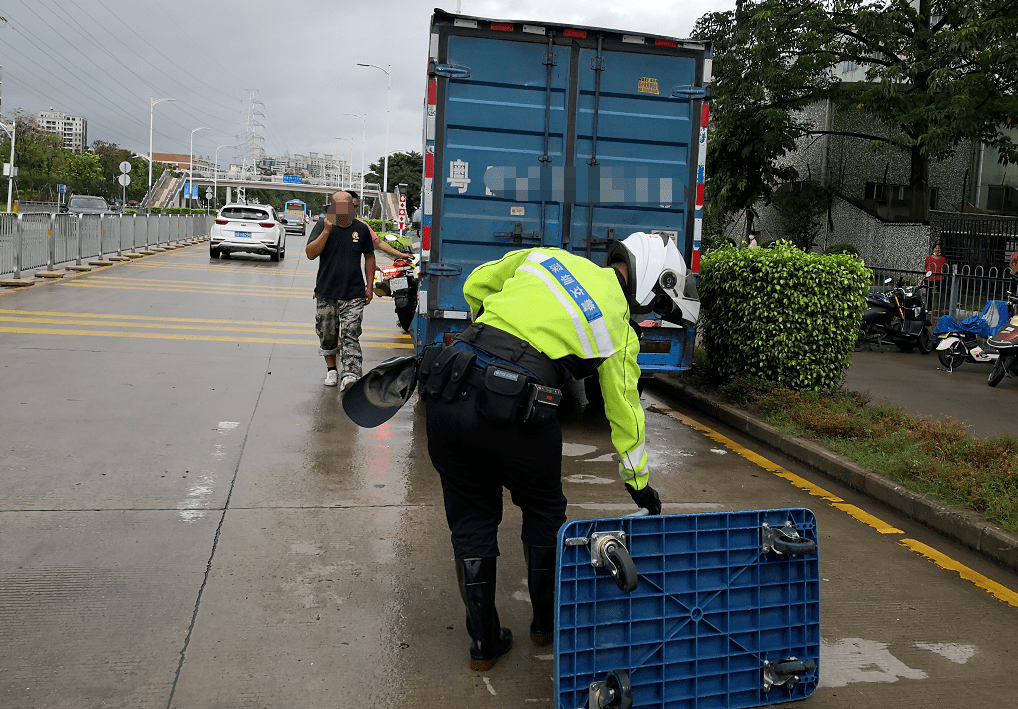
[[124, 179], [125, 167], [208, 193], [402, 212], [61, 189]]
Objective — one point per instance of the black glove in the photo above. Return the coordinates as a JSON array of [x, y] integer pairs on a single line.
[[647, 497]]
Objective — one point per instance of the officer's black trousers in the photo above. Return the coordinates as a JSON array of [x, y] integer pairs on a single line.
[[477, 458]]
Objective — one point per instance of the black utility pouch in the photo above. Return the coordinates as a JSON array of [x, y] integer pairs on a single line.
[[433, 372], [503, 392], [542, 404]]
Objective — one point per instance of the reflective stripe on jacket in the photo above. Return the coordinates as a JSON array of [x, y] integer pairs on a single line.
[[564, 305]]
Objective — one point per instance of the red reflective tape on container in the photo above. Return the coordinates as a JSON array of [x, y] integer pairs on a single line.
[[575, 34], [705, 115], [425, 238], [665, 43], [501, 27], [432, 92], [429, 165], [696, 261]]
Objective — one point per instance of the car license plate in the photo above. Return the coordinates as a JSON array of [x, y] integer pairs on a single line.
[[245, 234], [397, 284]]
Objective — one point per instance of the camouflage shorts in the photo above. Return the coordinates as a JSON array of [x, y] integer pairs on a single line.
[[338, 324]]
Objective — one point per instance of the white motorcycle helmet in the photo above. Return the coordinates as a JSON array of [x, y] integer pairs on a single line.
[[657, 277]]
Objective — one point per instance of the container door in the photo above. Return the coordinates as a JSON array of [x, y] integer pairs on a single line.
[[639, 123], [493, 117]]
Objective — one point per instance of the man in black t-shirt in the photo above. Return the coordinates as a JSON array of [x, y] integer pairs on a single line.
[[338, 242]]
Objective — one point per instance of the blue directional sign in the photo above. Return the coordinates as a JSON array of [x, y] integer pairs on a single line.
[[293, 179], [62, 189]]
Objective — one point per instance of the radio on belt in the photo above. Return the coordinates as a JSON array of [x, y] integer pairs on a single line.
[[541, 403]]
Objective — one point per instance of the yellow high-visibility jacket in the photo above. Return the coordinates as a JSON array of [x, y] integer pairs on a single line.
[[563, 305]]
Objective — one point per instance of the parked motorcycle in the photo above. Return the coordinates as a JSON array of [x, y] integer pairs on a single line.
[[897, 316], [1005, 341], [965, 341], [400, 281]]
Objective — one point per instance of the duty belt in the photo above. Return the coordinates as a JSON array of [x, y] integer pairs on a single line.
[[503, 345]]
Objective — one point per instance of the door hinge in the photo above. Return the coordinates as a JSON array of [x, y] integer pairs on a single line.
[[443, 269], [691, 92], [449, 71]]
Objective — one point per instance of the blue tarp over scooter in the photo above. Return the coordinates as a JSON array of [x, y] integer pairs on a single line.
[[993, 317]]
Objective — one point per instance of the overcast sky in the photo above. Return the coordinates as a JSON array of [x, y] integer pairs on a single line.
[[105, 60]]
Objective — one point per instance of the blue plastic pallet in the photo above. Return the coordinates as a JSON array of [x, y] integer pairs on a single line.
[[711, 612]]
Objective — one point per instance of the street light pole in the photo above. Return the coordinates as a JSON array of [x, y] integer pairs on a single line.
[[364, 133], [151, 106], [215, 177], [385, 174], [10, 179], [190, 165]]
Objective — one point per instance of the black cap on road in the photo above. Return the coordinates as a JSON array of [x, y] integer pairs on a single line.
[[378, 395]]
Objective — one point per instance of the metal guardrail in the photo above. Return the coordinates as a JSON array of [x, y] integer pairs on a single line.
[[961, 291], [51, 240]]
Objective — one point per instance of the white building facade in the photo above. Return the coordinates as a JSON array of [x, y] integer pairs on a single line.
[[73, 129]]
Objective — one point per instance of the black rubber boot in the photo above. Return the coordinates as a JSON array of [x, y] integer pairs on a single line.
[[541, 581], [488, 639]]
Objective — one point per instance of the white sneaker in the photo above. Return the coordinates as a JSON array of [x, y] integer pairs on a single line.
[[348, 379], [332, 378]]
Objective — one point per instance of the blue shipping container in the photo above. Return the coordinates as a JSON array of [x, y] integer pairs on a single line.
[[539, 134]]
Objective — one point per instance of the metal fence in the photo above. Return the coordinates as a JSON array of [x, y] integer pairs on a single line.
[[49, 240], [960, 291], [975, 239]]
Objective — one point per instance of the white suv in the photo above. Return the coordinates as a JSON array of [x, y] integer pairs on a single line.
[[250, 228]]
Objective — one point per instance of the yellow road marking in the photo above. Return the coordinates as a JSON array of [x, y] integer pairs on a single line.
[[175, 336], [218, 328], [73, 284], [253, 268], [988, 585], [147, 281], [866, 518], [263, 323], [995, 589]]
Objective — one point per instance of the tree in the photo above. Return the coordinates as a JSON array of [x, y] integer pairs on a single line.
[[764, 71], [84, 173], [38, 155], [407, 168], [938, 73]]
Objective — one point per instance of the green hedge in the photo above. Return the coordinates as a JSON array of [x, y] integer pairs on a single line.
[[781, 314], [376, 224]]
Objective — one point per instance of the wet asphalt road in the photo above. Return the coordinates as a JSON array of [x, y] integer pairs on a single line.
[[188, 519], [920, 385]]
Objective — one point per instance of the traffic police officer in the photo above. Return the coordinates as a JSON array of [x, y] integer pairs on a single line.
[[541, 316]]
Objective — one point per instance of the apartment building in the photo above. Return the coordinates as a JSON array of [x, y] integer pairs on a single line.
[[73, 129]]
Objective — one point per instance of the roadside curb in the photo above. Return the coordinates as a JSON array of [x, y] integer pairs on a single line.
[[962, 526]]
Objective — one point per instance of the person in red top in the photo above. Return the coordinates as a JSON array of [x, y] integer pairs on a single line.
[[936, 264]]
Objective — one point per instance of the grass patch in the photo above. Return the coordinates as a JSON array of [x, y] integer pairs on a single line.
[[937, 458]]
